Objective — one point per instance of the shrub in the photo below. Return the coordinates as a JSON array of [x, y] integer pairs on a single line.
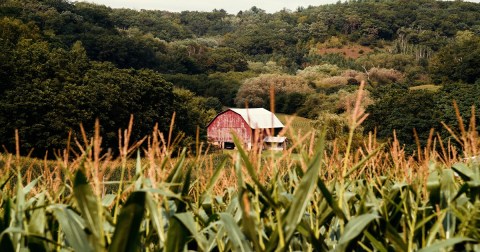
[[382, 76], [256, 91], [332, 82]]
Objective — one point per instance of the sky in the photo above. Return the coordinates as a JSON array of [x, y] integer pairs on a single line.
[[231, 6]]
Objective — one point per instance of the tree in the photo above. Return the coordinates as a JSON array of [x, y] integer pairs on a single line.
[[52, 91], [459, 60], [255, 92], [402, 110], [226, 59]]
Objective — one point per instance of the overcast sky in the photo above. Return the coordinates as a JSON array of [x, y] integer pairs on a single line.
[[231, 6]]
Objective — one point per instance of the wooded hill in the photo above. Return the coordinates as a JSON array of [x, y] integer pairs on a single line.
[[63, 63]]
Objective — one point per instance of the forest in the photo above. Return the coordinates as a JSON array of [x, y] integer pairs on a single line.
[[66, 63], [103, 114]]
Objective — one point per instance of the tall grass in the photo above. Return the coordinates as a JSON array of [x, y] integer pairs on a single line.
[[374, 198]]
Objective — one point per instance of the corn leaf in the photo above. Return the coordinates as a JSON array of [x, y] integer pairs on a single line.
[[251, 171], [177, 236], [6, 243], [5, 182], [353, 229], [30, 186], [38, 217], [189, 222], [108, 200], [90, 209], [73, 227], [375, 242], [156, 218], [213, 180], [439, 246], [127, 230], [235, 235], [174, 175], [303, 193]]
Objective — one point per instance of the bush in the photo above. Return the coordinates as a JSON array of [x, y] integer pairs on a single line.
[[255, 92], [382, 76], [332, 82]]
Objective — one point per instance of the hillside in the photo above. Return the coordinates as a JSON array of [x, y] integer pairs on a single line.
[[65, 63]]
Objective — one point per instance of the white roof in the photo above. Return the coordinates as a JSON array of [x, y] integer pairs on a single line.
[[272, 139], [259, 118]]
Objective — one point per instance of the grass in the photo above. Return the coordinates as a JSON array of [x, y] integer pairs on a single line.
[[427, 87], [371, 198], [296, 124]]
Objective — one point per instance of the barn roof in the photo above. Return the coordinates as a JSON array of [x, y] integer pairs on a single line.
[[258, 118]]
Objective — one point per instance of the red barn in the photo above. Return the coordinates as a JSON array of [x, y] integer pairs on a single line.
[[246, 123]]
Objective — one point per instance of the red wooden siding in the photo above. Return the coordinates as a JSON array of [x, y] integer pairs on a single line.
[[221, 127]]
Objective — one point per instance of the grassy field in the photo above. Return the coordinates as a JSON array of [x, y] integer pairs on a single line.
[[374, 198], [296, 124]]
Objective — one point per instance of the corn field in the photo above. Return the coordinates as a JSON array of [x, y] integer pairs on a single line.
[[375, 198]]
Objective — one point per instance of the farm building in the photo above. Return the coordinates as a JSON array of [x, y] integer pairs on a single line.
[[249, 125]]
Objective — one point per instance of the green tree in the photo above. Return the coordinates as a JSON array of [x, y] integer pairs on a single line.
[[459, 60], [402, 110]]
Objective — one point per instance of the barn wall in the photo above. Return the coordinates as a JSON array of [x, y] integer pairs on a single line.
[[221, 127]]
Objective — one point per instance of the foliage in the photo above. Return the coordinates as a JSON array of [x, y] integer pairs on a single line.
[[382, 76], [458, 60], [255, 92], [194, 112], [222, 87], [372, 198], [403, 111]]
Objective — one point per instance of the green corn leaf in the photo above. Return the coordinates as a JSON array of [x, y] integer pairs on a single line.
[[353, 229], [318, 243], [108, 200], [38, 218], [330, 200], [39, 243], [19, 212], [433, 231], [6, 243], [5, 182], [177, 236], [463, 171], [395, 237], [156, 218], [7, 213], [138, 172], [90, 208], [181, 205], [375, 242], [127, 230], [30, 186], [235, 235], [174, 175], [9, 242], [303, 193], [189, 222], [251, 171], [213, 180], [301, 198], [249, 226], [440, 246], [73, 226], [36, 243], [424, 221]]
